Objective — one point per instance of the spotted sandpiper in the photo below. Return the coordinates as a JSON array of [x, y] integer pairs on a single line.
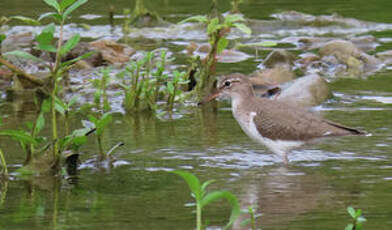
[[281, 127]]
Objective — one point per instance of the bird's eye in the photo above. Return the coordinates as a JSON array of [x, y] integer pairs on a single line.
[[227, 83]]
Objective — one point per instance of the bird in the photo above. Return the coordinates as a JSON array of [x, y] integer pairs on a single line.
[[278, 125]]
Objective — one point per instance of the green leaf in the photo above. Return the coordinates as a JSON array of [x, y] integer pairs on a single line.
[[45, 38], [358, 213], [244, 28], [218, 195], [2, 38], [193, 183], [351, 211], [72, 61], [27, 20], [54, 4], [197, 18], [45, 107], [245, 222], [73, 7], [60, 106], [257, 44], [55, 15], [19, 135], [231, 18], [213, 25], [65, 3], [170, 87], [361, 219], [349, 227], [23, 54], [70, 44], [72, 101], [205, 184], [40, 123], [222, 44]]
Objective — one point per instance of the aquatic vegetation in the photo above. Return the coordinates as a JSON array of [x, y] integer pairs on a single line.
[[139, 89], [100, 96], [252, 218], [203, 198], [172, 88], [100, 123], [357, 219], [217, 26], [64, 108], [142, 82]]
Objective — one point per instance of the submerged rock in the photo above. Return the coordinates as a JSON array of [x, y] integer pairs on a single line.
[[277, 75], [279, 57], [306, 91], [385, 57], [357, 63], [226, 56], [113, 52], [20, 41]]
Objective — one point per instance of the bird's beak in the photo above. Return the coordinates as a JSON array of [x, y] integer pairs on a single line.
[[210, 97]]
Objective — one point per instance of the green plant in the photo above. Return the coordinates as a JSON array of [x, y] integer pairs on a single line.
[[138, 86], [100, 123], [45, 43], [217, 29], [4, 169], [252, 217], [172, 87], [203, 198], [357, 219], [100, 96], [64, 108]]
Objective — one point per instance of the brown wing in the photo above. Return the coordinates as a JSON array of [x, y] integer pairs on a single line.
[[281, 121]]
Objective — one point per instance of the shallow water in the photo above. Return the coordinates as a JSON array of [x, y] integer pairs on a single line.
[[313, 192]]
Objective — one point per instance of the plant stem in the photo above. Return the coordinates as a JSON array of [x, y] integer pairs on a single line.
[[252, 218], [101, 153], [3, 163], [55, 75], [198, 216]]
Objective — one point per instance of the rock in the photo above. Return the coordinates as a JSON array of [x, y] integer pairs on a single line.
[[274, 76], [232, 56], [82, 48], [366, 43], [21, 41], [112, 52], [307, 91], [357, 62], [307, 58], [279, 57], [385, 57], [226, 56]]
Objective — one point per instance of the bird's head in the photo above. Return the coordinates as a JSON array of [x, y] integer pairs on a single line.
[[235, 85]]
